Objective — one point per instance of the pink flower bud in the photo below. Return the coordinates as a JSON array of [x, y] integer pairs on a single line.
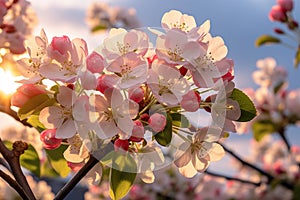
[[26, 92], [279, 31], [104, 82], [157, 122], [286, 5], [121, 145], [137, 132], [191, 101], [183, 70], [18, 99], [49, 140], [136, 95], [144, 117], [75, 166], [95, 62], [277, 14], [59, 48]]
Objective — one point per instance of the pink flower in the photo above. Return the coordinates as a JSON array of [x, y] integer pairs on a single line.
[[207, 63], [175, 19], [67, 58], [25, 93], [49, 140], [286, 5], [191, 101], [157, 122], [106, 81], [138, 131], [131, 69], [136, 94], [269, 74], [60, 116], [30, 67], [95, 62], [292, 102], [277, 13], [120, 42], [195, 156], [167, 84], [121, 145], [172, 46], [112, 114]]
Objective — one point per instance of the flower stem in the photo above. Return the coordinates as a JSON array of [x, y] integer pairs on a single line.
[[76, 178]]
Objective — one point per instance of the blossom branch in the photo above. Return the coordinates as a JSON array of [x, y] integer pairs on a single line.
[[14, 184], [269, 176], [232, 178], [13, 159], [76, 178], [281, 133]]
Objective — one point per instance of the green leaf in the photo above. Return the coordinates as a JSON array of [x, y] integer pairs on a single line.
[[248, 110], [278, 87], [164, 137], [122, 175], [262, 128], [34, 121], [29, 159], [100, 27], [57, 160], [35, 105], [297, 58], [296, 193], [266, 39], [47, 170], [180, 120]]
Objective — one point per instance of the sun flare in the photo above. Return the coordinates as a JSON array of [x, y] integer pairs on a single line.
[[7, 82]]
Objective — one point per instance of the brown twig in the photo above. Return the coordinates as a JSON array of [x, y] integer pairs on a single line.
[[14, 184], [232, 178], [245, 163], [76, 178], [13, 159]]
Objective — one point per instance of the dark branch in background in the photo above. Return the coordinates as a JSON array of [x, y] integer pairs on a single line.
[[76, 178], [13, 159], [245, 163], [14, 184], [232, 178], [281, 133]]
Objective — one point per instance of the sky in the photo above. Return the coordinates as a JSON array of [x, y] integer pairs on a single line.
[[238, 22]]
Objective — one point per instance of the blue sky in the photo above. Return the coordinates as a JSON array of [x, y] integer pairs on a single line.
[[238, 22]]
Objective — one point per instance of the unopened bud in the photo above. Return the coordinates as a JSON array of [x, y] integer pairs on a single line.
[[279, 31]]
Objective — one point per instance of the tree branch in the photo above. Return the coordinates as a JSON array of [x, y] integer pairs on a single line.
[[269, 176], [13, 159], [233, 178], [14, 184], [281, 133], [76, 178]]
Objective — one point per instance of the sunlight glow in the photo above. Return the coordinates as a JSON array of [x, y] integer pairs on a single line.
[[7, 82]]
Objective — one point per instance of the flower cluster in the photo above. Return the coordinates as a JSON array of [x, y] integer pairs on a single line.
[[124, 101], [17, 20], [101, 16], [276, 104]]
